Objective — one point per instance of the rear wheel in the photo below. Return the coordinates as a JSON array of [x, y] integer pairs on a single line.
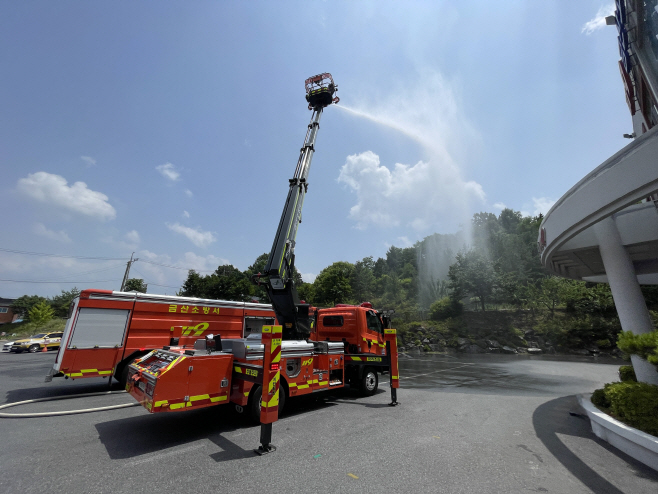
[[255, 402], [34, 348], [369, 382]]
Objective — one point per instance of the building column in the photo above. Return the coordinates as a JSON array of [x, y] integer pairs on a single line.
[[629, 301]]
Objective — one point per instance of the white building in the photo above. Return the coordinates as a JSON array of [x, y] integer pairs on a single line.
[[605, 228]]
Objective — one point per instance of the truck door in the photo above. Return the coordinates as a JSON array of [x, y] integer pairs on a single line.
[[97, 341]]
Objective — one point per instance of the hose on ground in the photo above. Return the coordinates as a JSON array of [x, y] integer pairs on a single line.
[[63, 412]]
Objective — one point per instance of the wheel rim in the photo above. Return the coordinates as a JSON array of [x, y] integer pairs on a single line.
[[371, 380]]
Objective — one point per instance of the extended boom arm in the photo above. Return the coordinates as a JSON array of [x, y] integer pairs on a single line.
[[280, 267]]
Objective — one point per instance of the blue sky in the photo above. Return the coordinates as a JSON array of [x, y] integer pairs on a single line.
[[170, 129]]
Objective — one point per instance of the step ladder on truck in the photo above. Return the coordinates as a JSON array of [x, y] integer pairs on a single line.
[[310, 350]]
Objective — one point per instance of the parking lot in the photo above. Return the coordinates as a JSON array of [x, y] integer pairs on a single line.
[[487, 424]]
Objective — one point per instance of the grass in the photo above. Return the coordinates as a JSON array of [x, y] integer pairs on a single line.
[[25, 329]]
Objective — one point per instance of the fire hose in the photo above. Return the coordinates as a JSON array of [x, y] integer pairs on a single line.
[[63, 412]]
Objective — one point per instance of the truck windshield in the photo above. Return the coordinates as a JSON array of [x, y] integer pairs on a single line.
[[374, 324]]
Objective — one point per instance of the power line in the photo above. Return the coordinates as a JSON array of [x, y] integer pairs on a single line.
[[176, 267], [28, 253], [63, 282]]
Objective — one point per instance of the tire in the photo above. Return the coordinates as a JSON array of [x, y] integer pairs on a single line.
[[369, 382], [34, 348], [255, 397], [123, 378]]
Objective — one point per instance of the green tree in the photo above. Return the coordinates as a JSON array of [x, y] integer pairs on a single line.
[[333, 283], [23, 304], [62, 302], [226, 283], [41, 313], [472, 274], [363, 279], [135, 285]]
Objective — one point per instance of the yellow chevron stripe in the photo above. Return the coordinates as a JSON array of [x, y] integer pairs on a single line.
[[176, 406], [160, 403], [215, 399]]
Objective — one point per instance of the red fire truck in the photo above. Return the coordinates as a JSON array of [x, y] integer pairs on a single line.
[[313, 349], [107, 330]]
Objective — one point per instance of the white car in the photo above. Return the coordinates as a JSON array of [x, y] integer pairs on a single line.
[[7, 346]]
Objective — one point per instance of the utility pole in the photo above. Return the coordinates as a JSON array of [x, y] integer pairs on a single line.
[[125, 276]]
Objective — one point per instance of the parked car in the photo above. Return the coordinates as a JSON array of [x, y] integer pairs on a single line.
[[7, 346], [37, 342]]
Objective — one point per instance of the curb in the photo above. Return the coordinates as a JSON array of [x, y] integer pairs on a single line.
[[640, 445]]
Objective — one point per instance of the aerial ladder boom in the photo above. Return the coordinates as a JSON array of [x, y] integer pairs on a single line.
[[278, 274]]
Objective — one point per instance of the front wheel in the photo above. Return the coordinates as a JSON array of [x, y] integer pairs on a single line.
[[369, 382], [34, 348]]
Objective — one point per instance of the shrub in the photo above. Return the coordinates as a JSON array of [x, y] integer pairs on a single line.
[[445, 308], [627, 374], [635, 404], [599, 399], [644, 345]]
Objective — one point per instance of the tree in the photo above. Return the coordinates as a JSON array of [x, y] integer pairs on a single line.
[[363, 279], [62, 302], [135, 285], [226, 283], [472, 274], [333, 283], [41, 313], [23, 304]]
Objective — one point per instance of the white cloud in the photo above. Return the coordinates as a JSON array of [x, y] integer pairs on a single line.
[[89, 160], [60, 236], [598, 21], [542, 205], [197, 236], [186, 214], [132, 236], [405, 242], [308, 277], [499, 205], [429, 194], [421, 196], [168, 171], [54, 191], [188, 192]]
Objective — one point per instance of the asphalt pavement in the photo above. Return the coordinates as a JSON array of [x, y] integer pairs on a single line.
[[491, 423]]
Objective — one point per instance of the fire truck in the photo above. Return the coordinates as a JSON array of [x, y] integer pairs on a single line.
[[312, 350], [106, 330]]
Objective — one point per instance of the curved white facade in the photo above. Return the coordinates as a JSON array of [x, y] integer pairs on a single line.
[[568, 241]]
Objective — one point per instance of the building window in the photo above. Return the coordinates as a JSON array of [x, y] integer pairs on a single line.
[[3, 310]]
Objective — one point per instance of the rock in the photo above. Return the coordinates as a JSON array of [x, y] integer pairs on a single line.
[[482, 343], [522, 350], [534, 351], [473, 349], [533, 344], [540, 341], [529, 334], [507, 349], [426, 341], [462, 341], [435, 348], [493, 343], [414, 351], [550, 350], [580, 351], [495, 350]]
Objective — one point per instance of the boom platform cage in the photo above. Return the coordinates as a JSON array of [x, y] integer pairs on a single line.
[[320, 90]]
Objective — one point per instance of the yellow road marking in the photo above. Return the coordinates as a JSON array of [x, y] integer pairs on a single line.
[[437, 437], [353, 476]]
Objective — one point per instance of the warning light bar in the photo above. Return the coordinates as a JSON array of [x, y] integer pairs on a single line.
[[274, 367]]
